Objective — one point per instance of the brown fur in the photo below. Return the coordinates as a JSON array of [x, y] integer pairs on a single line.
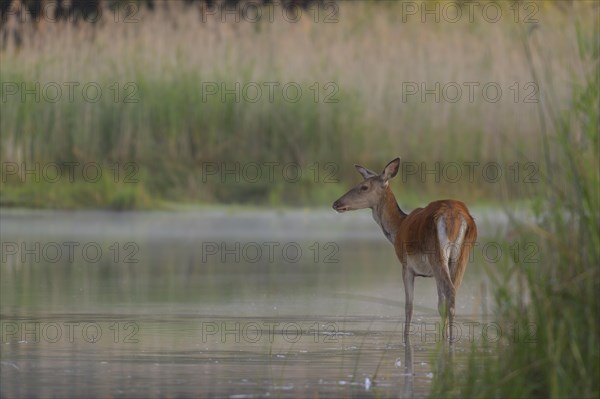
[[417, 232], [415, 236]]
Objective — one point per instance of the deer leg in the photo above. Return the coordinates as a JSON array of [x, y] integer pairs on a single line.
[[446, 295], [446, 309], [442, 307], [409, 283], [450, 301]]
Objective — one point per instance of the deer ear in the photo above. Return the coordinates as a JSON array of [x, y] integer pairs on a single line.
[[390, 170], [366, 173]]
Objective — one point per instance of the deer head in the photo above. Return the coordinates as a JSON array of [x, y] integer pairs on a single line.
[[369, 192]]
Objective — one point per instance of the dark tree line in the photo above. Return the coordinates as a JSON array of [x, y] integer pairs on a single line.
[[88, 9], [18, 17]]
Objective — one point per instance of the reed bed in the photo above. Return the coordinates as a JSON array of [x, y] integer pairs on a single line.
[[156, 111], [548, 309]]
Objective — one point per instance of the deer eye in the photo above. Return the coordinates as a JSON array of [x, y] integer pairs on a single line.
[[364, 188]]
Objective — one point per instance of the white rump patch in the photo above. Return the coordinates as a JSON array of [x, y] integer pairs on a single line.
[[455, 250], [450, 249], [444, 240]]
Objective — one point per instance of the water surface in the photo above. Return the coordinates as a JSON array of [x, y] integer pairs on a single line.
[[217, 303]]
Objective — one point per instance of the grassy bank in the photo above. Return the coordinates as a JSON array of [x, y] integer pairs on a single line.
[[153, 94], [549, 310]]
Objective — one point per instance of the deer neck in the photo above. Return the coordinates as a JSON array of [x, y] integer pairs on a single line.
[[388, 215]]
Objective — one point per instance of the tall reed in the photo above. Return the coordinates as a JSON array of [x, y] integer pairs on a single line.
[[355, 75], [549, 310]]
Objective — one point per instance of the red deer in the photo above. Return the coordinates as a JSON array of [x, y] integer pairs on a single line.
[[430, 242]]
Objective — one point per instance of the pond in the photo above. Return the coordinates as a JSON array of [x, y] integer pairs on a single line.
[[218, 303]]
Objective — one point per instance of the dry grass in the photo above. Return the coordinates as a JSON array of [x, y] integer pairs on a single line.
[[369, 53]]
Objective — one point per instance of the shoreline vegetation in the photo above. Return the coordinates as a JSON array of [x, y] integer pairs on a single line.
[[557, 296], [168, 108]]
